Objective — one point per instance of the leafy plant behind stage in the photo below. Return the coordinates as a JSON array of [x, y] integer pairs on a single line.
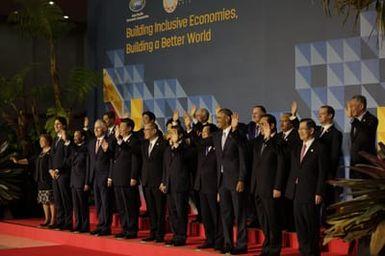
[[354, 8], [10, 178], [43, 20], [364, 215]]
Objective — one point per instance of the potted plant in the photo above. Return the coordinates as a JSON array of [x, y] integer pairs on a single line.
[[362, 218]]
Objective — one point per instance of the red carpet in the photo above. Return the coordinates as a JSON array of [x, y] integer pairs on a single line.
[[59, 250], [84, 244]]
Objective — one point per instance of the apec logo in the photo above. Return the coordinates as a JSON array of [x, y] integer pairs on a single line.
[[170, 5], [137, 5]]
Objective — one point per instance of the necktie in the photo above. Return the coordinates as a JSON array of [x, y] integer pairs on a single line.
[[150, 149], [354, 130], [97, 145], [207, 150], [223, 139], [256, 131], [322, 131], [263, 147], [303, 150]]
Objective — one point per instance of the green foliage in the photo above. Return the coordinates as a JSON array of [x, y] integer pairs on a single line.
[[12, 88], [10, 179], [8, 134], [38, 18], [347, 7], [81, 82], [361, 216]]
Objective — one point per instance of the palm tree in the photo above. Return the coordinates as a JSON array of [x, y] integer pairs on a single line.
[[346, 7], [13, 106], [43, 19]]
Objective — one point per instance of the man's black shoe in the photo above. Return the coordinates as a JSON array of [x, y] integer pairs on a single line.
[[205, 245], [237, 251], [149, 239], [131, 236], [120, 235], [159, 240], [179, 243], [95, 231], [104, 233]]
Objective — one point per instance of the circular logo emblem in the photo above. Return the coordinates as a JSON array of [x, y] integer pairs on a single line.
[[137, 5], [170, 5]]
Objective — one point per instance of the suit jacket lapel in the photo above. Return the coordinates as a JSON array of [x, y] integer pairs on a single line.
[[308, 153], [328, 130], [226, 142], [146, 145], [153, 150], [220, 142]]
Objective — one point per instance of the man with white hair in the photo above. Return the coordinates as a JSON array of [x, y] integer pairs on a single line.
[[100, 154]]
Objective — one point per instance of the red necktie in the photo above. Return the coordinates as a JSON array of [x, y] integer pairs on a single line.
[[303, 150]]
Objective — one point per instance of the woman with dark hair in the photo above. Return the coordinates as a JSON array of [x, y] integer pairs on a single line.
[[42, 177]]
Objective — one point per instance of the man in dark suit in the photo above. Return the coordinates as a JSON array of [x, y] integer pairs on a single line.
[[289, 124], [252, 132], [109, 118], [61, 174], [152, 151], [123, 177], [306, 185], [176, 184], [148, 118], [267, 181], [288, 140], [289, 130], [363, 132], [231, 180], [205, 179], [100, 155], [77, 162], [252, 129], [200, 117], [331, 137]]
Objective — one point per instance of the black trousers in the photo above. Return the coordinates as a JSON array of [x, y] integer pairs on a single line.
[[156, 207], [232, 205], [307, 224], [128, 203], [287, 214], [103, 199], [195, 198], [251, 212], [63, 202], [211, 218], [81, 209], [330, 198], [177, 203], [269, 219]]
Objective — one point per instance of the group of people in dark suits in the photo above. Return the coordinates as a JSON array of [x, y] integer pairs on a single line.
[[236, 170]]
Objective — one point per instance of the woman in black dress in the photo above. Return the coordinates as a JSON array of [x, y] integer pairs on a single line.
[[43, 179]]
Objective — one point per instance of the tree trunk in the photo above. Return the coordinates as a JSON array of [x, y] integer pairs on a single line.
[[54, 75], [22, 133], [35, 116]]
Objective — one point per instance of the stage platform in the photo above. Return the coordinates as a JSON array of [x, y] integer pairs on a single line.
[[32, 240]]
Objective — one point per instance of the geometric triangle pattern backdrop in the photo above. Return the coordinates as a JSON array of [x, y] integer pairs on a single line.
[[124, 88], [331, 72]]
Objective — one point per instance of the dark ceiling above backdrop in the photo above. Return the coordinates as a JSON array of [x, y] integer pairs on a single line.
[[75, 9]]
